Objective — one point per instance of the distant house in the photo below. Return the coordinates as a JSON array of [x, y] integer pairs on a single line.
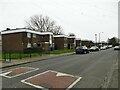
[[60, 42], [17, 40], [71, 42], [87, 43], [78, 42]]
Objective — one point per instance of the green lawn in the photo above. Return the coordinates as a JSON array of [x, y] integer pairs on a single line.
[[62, 51], [0, 56], [20, 56]]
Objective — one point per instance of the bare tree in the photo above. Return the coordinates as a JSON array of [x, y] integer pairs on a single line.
[[71, 34], [43, 24], [36, 23], [58, 30]]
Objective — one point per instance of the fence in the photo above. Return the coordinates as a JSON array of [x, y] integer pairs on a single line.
[[8, 56]]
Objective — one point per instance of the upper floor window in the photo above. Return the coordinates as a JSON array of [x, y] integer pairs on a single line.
[[34, 35], [50, 39], [34, 44], [65, 38], [28, 35], [28, 45], [43, 36]]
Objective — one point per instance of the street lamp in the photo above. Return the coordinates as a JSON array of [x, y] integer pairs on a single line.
[[96, 38], [99, 36], [100, 44]]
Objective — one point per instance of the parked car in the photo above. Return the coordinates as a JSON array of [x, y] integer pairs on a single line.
[[82, 49], [117, 48], [109, 46], [103, 48], [94, 48]]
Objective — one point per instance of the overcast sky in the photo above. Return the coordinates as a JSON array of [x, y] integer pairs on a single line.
[[85, 18]]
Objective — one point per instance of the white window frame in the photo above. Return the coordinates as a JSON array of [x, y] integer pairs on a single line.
[[50, 39], [28, 35], [29, 45], [34, 35], [65, 45], [35, 44]]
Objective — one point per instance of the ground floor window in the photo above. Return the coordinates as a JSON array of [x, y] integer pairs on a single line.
[[28, 45]]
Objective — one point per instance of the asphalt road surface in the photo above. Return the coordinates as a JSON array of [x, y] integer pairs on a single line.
[[94, 68]]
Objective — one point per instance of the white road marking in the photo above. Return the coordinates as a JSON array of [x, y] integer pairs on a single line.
[[35, 75], [75, 82], [23, 81], [62, 74], [58, 74], [5, 74]]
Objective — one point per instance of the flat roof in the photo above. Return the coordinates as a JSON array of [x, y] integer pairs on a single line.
[[25, 30], [71, 36], [78, 39], [60, 36]]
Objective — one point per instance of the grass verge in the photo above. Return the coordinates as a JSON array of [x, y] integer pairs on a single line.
[[21, 55]]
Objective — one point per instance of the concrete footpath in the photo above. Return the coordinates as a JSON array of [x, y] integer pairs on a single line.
[[32, 59]]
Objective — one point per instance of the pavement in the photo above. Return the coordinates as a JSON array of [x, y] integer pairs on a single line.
[[29, 60]]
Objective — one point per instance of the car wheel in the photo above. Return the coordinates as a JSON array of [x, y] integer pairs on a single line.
[[85, 52], [76, 53]]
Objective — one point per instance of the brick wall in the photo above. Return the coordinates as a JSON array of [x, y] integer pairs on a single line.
[[12, 42], [60, 42]]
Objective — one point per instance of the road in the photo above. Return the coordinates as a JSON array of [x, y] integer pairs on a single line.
[[94, 68]]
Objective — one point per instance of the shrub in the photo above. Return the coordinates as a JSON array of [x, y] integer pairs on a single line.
[[33, 50]]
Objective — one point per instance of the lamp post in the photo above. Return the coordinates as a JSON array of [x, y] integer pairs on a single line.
[[100, 38], [96, 39]]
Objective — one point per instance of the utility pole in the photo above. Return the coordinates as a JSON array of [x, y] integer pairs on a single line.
[[100, 37], [96, 39]]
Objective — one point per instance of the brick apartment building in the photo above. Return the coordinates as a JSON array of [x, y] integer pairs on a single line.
[[60, 42], [16, 40], [71, 42]]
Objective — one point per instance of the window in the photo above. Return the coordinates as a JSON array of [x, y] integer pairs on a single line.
[[65, 46], [38, 44], [43, 36], [34, 44], [65, 38], [50, 40], [28, 35], [34, 35], [28, 45], [50, 37], [53, 44]]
